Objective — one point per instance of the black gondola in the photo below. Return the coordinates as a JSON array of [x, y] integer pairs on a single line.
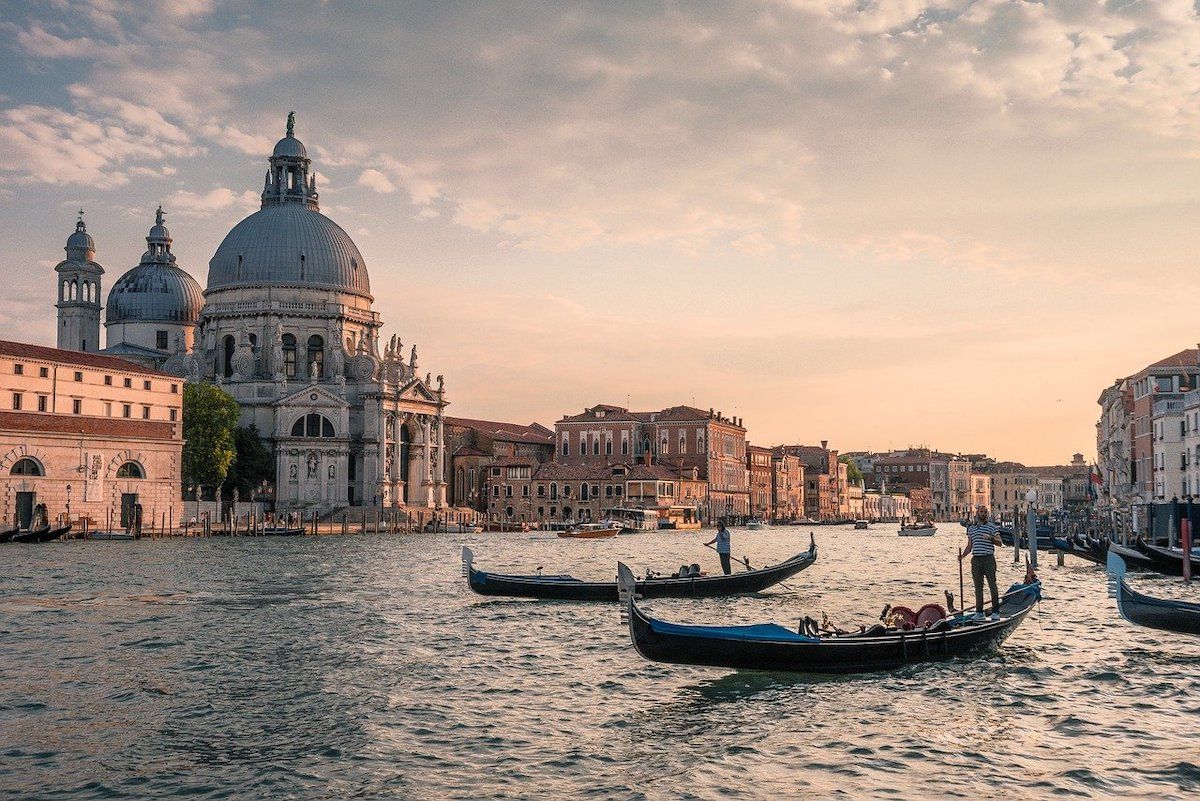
[[769, 646], [1165, 560], [569, 588], [9, 533], [280, 531], [1154, 613], [43, 534], [1075, 547]]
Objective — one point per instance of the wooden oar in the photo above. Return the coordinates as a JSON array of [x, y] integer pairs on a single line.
[[744, 561]]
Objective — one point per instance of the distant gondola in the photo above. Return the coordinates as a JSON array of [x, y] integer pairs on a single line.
[[769, 646], [43, 534], [694, 585], [1164, 560], [1154, 613], [1083, 550], [280, 531]]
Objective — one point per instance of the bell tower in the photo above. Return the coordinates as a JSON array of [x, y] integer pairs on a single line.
[[79, 292]]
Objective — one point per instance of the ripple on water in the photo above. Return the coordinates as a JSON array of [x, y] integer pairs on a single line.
[[361, 666]]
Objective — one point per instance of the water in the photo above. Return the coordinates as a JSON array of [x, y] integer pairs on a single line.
[[332, 667]]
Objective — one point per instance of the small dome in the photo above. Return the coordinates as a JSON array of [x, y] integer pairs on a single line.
[[155, 292], [291, 147], [81, 240]]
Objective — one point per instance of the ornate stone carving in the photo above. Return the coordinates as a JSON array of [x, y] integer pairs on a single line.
[[362, 367]]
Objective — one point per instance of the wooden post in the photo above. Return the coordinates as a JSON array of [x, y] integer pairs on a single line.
[[171, 519], [345, 520]]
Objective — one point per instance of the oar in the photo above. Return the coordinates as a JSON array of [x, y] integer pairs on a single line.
[[744, 561], [962, 600]]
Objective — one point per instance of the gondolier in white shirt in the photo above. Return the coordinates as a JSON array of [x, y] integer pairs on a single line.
[[722, 543], [982, 538]]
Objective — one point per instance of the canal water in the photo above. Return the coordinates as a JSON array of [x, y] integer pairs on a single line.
[[361, 666]]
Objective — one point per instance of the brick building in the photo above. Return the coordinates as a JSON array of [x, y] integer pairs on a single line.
[[475, 445], [787, 486], [88, 436], [823, 477], [759, 464]]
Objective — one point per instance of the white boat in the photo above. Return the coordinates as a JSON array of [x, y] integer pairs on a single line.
[[916, 532], [754, 525]]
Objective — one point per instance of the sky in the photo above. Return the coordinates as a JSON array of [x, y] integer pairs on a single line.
[[877, 224]]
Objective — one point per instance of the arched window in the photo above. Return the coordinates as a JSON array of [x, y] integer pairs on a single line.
[[316, 355], [312, 425], [66, 290], [27, 467], [130, 470], [583, 492], [289, 356], [554, 491], [229, 347], [74, 290]]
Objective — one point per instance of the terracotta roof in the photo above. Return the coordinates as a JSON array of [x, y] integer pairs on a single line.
[[552, 471], [611, 413], [23, 350], [512, 432], [1185, 358], [89, 426], [814, 456]]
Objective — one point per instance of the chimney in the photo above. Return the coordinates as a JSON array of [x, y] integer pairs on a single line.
[[824, 444]]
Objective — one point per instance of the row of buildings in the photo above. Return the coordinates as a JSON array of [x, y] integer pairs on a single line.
[[1148, 436]]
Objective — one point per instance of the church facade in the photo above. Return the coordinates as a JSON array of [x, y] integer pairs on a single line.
[[286, 326]]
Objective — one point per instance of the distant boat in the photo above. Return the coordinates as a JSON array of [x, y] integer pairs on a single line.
[[861, 524], [923, 526], [590, 531], [917, 532], [111, 535], [43, 534], [281, 531], [754, 525]]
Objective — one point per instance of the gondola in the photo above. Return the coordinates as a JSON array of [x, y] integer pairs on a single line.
[[1164, 560], [1045, 538], [1069, 545], [694, 585], [8, 534], [769, 646], [1154, 613], [916, 532], [281, 531], [43, 534]]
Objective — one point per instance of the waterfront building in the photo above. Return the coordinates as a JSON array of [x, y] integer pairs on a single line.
[[473, 446], [758, 463], [1169, 462], [1165, 380], [678, 438], [1114, 450], [895, 508], [90, 436], [854, 500], [981, 492], [921, 503], [872, 505], [285, 325], [821, 478], [787, 486]]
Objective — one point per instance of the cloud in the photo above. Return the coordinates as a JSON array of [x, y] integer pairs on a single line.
[[191, 204], [374, 179], [37, 42]]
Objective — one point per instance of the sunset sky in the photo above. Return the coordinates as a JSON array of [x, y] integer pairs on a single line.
[[879, 224]]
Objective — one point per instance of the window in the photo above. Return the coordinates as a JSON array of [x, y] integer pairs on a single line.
[[566, 448], [126, 410], [553, 493], [130, 470], [128, 383], [145, 412], [617, 490], [173, 415], [525, 491], [174, 389], [508, 490], [42, 401], [76, 406], [316, 355], [313, 425], [44, 372], [624, 447], [17, 401], [595, 490], [27, 467], [583, 492], [160, 340], [596, 446], [146, 385], [608, 447], [541, 491], [78, 376], [228, 347], [496, 472], [107, 409], [18, 369], [608, 490], [495, 490]]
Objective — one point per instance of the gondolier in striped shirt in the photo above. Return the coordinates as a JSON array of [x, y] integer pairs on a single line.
[[722, 543], [982, 538]]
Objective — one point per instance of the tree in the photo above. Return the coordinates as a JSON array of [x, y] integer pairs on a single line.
[[853, 474], [209, 418], [252, 465]]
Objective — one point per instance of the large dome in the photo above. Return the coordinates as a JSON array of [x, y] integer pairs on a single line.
[[289, 244], [154, 292]]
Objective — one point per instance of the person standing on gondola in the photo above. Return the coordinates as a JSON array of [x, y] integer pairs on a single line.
[[722, 543], [982, 538]]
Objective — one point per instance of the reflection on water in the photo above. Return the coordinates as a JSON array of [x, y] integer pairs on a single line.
[[337, 667]]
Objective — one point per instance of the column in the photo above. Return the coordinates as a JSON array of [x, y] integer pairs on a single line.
[[440, 496]]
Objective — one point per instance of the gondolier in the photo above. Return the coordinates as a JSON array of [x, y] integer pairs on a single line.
[[722, 543], [982, 538]]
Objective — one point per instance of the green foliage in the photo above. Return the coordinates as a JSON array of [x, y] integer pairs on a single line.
[[853, 474], [209, 418], [252, 465]]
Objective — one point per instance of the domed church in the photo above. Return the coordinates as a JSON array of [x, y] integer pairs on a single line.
[[286, 326]]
